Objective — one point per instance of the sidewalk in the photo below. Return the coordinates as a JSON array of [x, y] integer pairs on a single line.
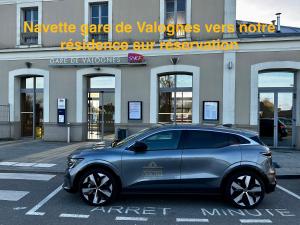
[[36, 155], [287, 162]]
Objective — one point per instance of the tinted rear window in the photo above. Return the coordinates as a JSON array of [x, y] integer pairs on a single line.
[[193, 139]]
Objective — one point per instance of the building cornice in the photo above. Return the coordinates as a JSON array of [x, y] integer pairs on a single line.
[[11, 2]]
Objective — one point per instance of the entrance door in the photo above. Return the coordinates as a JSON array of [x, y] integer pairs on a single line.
[[32, 107], [101, 110], [276, 118]]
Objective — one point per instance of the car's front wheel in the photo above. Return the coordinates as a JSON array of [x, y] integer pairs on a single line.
[[245, 190], [98, 187]]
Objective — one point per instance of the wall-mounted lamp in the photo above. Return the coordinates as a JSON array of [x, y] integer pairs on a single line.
[[174, 60], [28, 65], [230, 65]]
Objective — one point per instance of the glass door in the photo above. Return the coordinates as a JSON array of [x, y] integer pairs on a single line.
[[94, 115], [101, 110], [286, 120], [32, 107], [266, 118], [26, 114], [276, 118]]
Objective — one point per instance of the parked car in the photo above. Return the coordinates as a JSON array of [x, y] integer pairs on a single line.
[[190, 158], [287, 121], [266, 127]]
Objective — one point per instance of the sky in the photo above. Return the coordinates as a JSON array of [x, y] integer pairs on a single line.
[[264, 11]]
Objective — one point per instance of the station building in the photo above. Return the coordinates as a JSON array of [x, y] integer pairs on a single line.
[[98, 94]]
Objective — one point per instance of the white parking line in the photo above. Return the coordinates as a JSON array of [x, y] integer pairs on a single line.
[[26, 176], [80, 216], [288, 192], [33, 211], [191, 220], [7, 163], [44, 165], [123, 218], [22, 164], [255, 221], [14, 196]]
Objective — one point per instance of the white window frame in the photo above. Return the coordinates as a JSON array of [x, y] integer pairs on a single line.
[[20, 7], [163, 19], [87, 17], [154, 89]]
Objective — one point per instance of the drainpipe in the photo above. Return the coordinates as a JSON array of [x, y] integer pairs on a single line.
[[34, 109]]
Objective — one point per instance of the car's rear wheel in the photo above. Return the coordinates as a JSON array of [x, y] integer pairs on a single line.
[[245, 190], [98, 187]]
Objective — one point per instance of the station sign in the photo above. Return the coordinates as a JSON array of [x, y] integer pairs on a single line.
[[133, 59]]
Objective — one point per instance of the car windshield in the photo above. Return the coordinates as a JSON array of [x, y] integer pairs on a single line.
[[126, 140]]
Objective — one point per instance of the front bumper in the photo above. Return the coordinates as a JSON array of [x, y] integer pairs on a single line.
[[68, 184]]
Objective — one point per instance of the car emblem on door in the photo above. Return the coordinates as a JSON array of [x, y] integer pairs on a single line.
[[152, 170]]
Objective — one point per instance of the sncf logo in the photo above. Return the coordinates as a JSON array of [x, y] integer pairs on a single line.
[[135, 58]]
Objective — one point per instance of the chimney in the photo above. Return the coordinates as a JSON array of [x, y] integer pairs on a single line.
[[278, 22], [273, 22]]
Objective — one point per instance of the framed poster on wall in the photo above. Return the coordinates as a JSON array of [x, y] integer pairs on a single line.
[[210, 110], [135, 110]]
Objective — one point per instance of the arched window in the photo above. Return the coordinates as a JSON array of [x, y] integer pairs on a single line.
[[277, 107]]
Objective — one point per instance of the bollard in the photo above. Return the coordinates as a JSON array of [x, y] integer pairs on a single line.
[[68, 133]]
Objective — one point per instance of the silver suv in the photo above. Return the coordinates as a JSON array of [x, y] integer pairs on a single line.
[[232, 162]]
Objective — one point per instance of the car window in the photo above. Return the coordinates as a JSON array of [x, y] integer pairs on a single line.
[[166, 140], [193, 139], [131, 137]]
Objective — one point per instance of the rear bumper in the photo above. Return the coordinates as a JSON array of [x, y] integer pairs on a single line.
[[272, 181]]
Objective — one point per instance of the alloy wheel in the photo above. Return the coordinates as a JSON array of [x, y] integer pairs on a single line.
[[246, 191], [97, 188]]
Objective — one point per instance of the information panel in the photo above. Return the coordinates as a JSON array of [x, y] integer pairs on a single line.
[[211, 111], [135, 110], [61, 111]]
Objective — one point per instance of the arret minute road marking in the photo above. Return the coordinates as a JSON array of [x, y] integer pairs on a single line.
[[123, 218], [77, 216], [191, 220], [33, 211], [261, 221], [288, 192]]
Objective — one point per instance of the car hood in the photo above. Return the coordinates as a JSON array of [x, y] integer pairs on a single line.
[[88, 150]]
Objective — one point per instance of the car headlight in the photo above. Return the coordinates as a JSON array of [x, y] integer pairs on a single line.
[[73, 162]]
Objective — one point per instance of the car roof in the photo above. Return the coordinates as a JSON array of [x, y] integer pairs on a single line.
[[243, 132]]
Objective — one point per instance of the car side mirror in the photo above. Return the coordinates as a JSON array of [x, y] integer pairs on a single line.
[[139, 146], [115, 142]]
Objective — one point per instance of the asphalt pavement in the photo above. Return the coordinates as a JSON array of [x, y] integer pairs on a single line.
[[34, 198]]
